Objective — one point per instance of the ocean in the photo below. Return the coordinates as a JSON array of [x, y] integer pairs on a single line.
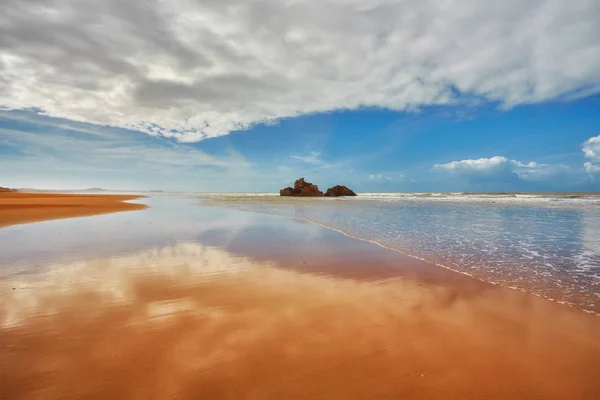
[[544, 243]]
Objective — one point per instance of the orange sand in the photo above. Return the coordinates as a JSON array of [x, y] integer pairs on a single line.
[[193, 322], [21, 208]]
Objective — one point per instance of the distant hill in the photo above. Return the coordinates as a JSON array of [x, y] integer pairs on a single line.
[[3, 189], [89, 190]]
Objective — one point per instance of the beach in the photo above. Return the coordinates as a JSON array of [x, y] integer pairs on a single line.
[[189, 299], [23, 207], [299, 200]]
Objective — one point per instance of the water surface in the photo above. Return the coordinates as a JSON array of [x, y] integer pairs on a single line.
[[184, 300], [547, 245]]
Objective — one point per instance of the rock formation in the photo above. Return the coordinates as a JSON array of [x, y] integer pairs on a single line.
[[3, 189], [303, 189], [307, 189], [339, 190]]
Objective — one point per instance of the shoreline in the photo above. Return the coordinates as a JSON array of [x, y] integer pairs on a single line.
[[24, 207], [548, 292], [445, 267]]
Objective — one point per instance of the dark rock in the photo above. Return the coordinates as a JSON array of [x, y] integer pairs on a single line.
[[338, 191], [288, 191], [303, 189], [306, 189], [3, 189]]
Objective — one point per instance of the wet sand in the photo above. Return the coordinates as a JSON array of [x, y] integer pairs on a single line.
[[21, 208], [234, 320]]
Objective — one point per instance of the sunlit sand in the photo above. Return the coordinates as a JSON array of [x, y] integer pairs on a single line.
[[19, 208]]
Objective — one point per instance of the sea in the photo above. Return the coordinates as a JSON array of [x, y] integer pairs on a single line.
[[547, 244]]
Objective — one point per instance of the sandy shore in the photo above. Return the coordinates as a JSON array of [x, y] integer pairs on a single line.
[[21, 208], [190, 320]]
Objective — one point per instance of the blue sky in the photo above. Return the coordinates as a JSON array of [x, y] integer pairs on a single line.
[[368, 149], [396, 96]]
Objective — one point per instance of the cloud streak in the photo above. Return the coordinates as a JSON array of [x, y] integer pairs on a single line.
[[379, 178], [192, 70], [47, 152], [499, 167], [312, 158]]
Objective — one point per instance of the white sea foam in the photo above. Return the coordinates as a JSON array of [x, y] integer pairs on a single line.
[[553, 200], [587, 200]]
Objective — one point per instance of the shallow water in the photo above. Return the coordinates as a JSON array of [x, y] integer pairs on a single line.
[[550, 251], [28, 248]]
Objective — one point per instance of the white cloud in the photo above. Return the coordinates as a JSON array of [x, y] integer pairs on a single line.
[[500, 166], [192, 69], [591, 168], [591, 150]]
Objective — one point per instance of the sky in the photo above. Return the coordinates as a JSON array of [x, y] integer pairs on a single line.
[[249, 95]]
